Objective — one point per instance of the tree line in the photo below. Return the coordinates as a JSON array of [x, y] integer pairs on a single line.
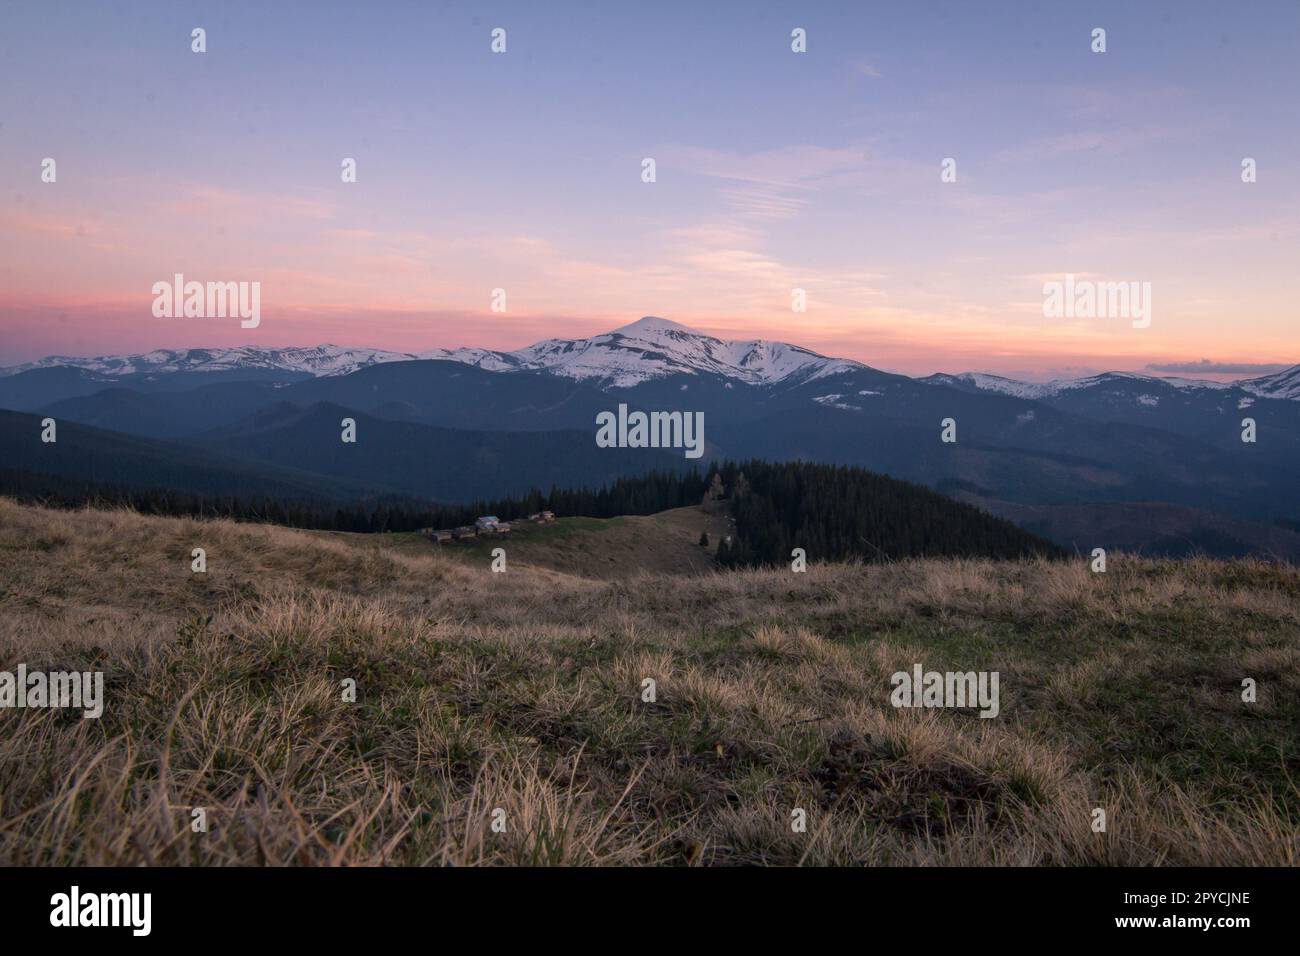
[[646, 494], [832, 512]]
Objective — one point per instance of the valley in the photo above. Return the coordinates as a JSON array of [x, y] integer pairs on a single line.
[[464, 424]]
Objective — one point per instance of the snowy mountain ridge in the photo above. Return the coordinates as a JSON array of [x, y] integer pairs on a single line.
[[642, 351], [652, 348], [647, 349], [314, 360]]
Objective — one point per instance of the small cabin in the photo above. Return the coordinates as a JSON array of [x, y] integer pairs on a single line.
[[439, 536], [487, 523], [465, 531]]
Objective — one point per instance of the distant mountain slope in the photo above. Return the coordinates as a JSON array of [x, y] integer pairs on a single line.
[[439, 463], [1148, 528], [294, 453], [112, 458], [36, 388], [1284, 384], [1209, 412], [165, 414], [451, 394]]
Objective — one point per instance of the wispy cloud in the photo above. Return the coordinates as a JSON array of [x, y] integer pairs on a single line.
[[761, 201], [1109, 140], [246, 206], [768, 184], [798, 166]]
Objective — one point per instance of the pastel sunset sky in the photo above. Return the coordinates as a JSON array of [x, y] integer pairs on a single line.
[[775, 171]]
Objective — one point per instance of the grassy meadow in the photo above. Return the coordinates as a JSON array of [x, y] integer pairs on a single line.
[[521, 692]]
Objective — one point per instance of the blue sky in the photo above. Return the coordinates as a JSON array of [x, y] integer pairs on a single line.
[[775, 170]]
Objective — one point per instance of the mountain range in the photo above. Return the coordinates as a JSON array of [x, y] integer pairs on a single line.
[[647, 349], [1062, 458]]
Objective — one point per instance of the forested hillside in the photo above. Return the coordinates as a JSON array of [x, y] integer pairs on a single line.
[[832, 512], [837, 512]]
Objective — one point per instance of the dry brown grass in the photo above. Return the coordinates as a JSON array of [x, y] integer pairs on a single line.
[[522, 692]]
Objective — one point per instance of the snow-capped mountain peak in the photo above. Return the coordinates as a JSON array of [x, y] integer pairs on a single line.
[[653, 347], [649, 325]]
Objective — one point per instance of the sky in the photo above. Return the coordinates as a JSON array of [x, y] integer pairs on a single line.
[[774, 171]]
